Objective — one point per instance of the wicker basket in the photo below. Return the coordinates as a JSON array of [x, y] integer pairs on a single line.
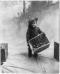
[[39, 43]]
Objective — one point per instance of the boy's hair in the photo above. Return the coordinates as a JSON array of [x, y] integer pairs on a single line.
[[36, 19], [33, 21]]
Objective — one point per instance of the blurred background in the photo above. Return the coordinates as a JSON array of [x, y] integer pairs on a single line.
[[14, 16], [14, 21]]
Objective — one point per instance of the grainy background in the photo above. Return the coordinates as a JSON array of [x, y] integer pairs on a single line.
[[13, 24]]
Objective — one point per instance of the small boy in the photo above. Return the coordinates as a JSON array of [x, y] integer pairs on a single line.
[[36, 39]]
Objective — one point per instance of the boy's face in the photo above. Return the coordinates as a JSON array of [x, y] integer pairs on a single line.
[[35, 23]]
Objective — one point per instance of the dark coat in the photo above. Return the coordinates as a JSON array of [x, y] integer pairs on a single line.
[[32, 31], [36, 37]]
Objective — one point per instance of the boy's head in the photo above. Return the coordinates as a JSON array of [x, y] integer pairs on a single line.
[[36, 19], [33, 21]]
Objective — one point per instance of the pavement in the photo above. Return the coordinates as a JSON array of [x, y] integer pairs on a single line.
[[21, 63]]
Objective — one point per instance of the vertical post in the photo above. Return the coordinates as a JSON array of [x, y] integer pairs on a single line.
[[56, 51], [3, 52], [24, 7]]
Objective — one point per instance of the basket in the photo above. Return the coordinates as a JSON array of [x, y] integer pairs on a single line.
[[39, 43]]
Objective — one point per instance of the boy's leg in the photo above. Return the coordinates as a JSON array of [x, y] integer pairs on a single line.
[[29, 51], [35, 54]]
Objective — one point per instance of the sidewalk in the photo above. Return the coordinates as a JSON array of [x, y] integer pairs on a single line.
[[21, 63]]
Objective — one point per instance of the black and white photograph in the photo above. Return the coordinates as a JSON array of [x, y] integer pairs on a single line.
[[29, 36]]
